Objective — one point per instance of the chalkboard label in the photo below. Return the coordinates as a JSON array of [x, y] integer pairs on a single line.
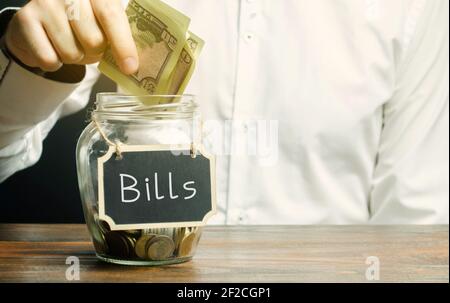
[[156, 186]]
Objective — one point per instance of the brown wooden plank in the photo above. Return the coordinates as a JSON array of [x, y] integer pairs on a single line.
[[37, 253]]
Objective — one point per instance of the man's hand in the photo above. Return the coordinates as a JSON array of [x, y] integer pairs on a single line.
[[42, 34]]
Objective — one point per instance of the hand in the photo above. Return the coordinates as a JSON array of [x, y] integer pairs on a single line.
[[43, 34]]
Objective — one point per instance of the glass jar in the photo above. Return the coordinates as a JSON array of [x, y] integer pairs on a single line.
[[126, 119]]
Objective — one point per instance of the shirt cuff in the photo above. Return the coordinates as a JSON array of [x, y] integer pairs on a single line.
[[26, 99]]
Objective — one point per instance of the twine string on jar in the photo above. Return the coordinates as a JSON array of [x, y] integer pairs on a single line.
[[193, 151], [117, 144]]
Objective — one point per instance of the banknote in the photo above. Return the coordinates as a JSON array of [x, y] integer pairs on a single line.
[[159, 32], [186, 64]]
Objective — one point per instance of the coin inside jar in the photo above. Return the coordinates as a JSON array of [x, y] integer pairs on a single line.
[[187, 244], [98, 236], [104, 226], [178, 236], [141, 245], [119, 244], [99, 240], [160, 248], [133, 232]]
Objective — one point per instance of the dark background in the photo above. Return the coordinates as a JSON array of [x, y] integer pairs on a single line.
[[7, 3], [48, 191]]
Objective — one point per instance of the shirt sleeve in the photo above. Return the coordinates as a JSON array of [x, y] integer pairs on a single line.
[[411, 178], [30, 106]]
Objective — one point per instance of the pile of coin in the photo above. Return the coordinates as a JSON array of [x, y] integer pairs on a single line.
[[156, 244]]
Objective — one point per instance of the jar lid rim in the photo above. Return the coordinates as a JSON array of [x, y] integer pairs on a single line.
[[169, 106], [124, 95]]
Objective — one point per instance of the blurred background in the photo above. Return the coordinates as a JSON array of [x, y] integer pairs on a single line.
[[48, 191], [7, 3]]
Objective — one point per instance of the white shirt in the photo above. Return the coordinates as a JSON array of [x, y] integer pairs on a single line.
[[359, 90]]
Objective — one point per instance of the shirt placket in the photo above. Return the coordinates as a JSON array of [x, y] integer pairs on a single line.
[[242, 109]]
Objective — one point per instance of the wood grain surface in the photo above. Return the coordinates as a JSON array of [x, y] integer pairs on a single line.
[[37, 253]]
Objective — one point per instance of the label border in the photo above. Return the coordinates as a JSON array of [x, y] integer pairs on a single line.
[[156, 147]]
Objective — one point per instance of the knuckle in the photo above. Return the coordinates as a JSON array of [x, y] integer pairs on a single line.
[[95, 43], [109, 11], [48, 63], [71, 55], [22, 17], [44, 3]]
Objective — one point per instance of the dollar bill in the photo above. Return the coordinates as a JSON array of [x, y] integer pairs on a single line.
[[159, 32], [186, 64]]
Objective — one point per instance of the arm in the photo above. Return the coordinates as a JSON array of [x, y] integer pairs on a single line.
[[411, 179], [23, 126], [43, 74]]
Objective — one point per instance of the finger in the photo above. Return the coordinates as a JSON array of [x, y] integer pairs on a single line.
[[90, 59], [87, 30], [28, 41], [114, 22], [59, 31]]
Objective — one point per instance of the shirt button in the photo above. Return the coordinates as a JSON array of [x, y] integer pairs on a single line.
[[248, 37], [233, 216], [243, 218]]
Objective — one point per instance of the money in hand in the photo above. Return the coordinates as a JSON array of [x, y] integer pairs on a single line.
[[167, 50]]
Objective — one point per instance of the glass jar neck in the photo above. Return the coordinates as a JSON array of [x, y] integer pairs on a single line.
[[114, 106]]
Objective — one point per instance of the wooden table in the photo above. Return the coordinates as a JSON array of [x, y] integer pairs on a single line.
[[37, 253]]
